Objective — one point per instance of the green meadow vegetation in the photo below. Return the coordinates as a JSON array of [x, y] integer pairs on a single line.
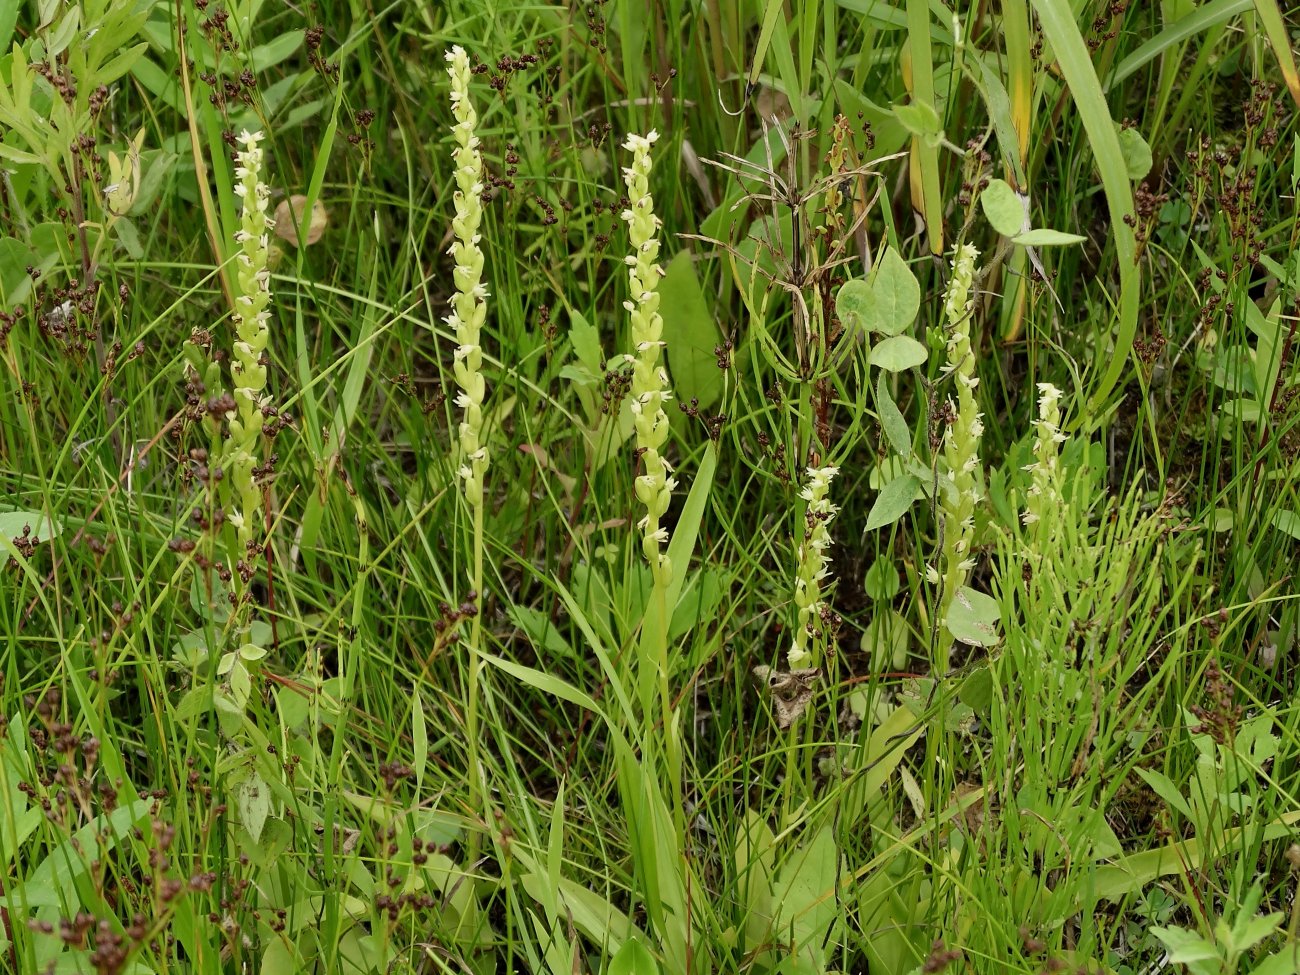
[[702, 486]]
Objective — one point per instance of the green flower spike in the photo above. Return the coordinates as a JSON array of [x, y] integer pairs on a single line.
[[962, 439], [468, 304], [650, 388], [247, 373], [813, 563]]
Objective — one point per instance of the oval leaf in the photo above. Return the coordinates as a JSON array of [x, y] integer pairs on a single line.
[[1136, 153], [895, 295], [690, 334], [1287, 522], [881, 581], [1042, 237], [851, 303], [887, 304], [899, 353], [973, 618], [893, 501], [1006, 209], [891, 419]]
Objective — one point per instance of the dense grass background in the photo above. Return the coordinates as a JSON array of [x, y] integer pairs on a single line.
[[1110, 786]]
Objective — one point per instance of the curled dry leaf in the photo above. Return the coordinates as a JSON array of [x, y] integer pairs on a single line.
[[791, 691], [286, 222]]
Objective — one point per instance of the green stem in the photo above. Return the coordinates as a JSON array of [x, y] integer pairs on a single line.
[[671, 743], [476, 793]]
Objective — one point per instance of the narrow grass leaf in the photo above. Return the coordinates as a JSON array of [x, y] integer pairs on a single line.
[[1202, 18], [419, 739], [1276, 31], [1061, 28]]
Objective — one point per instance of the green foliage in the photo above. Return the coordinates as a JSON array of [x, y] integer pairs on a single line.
[[390, 732]]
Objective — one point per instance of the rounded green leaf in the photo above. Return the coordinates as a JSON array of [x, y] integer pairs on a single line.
[[851, 304], [899, 353], [973, 618], [1136, 153], [1005, 208], [896, 295], [887, 304]]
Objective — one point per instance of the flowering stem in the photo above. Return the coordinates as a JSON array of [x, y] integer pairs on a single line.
[[654, 487], [961, 449], [468, 314]]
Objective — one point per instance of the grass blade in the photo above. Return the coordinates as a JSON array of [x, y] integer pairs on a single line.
[[1062, 31]]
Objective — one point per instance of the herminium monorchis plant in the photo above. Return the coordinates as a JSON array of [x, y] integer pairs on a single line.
[[1043, 498], [247, 374], [654, 486], [240, 456], [468, 314], [812, 567], [650, 390], [961, 444]]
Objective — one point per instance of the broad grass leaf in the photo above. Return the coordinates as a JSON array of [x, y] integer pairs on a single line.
[[8, 18], [1245, 410], [273, 52], [691, 334], [1004, 207], [419, 740], [886, 640], [898, 353], [887, 746], [633, 958], [893, 501], [973, 618], [1061, 30], [805, 898], [1128, 875], [755, 855], [592, 913]]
